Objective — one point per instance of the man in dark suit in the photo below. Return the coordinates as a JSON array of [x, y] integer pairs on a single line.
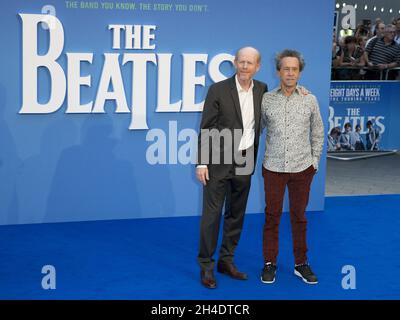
[[232, 114]]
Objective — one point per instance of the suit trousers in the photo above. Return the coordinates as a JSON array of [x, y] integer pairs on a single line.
[[299, 188], [233, 190]]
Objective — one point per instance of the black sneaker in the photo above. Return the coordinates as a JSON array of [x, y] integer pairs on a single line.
[[268, 273], [304, 271]]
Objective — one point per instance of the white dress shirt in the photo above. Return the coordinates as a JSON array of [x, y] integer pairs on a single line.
[[247, 107]]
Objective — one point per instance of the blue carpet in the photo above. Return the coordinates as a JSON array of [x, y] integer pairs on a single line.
[[156, 258]]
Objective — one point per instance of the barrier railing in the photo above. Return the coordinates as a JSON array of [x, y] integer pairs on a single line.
[[357, 155], [383, 73]]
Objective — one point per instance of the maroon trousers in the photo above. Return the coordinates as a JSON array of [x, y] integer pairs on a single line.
[[299, 188]]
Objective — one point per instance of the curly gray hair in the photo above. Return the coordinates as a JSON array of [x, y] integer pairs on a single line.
[[289, 53]]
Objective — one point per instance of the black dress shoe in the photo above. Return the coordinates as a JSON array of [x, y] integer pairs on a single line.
[[208, 279], [231, 270]]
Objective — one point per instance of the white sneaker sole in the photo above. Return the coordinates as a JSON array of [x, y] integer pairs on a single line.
[[268, 282], [302, 278]]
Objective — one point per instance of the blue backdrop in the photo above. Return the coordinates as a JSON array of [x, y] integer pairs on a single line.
[[359, 101], [64, 166]]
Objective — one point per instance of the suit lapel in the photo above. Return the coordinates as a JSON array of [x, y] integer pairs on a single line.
[[235, 98], [257, 105]]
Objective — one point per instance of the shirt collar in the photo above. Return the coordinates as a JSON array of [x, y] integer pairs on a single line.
[[279, 90], [239, 87], [393, 42]]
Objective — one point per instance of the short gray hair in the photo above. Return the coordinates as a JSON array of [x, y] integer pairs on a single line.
[[390, 27], [289, 53]]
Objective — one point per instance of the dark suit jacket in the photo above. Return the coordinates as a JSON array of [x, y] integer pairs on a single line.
[[222, 111]]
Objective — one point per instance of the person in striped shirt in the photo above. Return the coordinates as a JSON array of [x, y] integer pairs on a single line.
[[382, 53]]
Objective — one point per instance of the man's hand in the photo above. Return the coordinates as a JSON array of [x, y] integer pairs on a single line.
[[202, 175], [304, 91], [382, 66]]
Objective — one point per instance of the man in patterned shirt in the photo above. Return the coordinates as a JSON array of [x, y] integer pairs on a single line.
[[295, 136]]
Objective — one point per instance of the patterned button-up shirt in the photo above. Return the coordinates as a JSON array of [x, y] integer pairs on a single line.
[[295, 131]]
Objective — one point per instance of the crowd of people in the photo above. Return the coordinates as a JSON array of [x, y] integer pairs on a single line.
[[369, 51], [350, 140]]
